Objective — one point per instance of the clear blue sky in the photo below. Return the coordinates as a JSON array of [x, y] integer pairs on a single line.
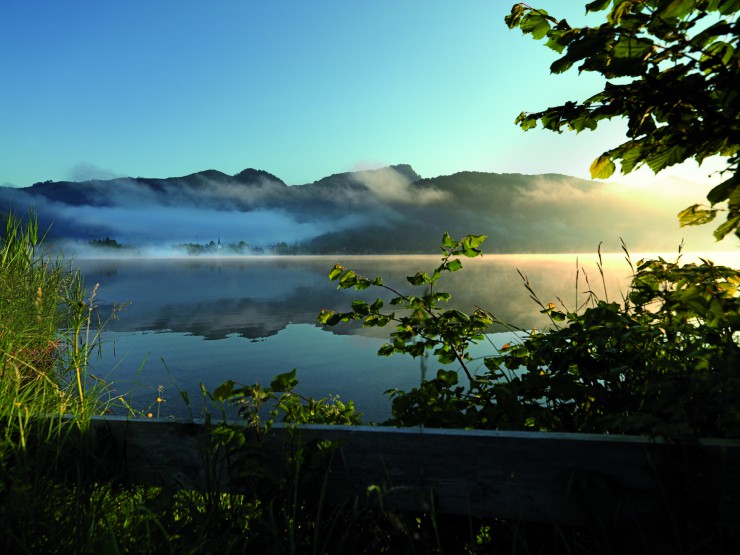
[[161, 88]]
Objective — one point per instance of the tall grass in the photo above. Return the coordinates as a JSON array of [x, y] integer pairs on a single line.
[[30, 317], [43, 397]]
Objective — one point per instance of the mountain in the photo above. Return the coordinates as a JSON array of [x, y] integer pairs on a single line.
[[386, 210], [189, 189]]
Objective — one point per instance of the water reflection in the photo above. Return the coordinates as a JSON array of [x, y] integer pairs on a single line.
[[206, 321], [257, 297]]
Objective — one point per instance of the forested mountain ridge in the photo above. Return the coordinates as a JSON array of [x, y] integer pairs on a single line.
[[386, 210]]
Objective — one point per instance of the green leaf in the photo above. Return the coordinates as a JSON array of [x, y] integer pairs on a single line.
[[348, 279], [535, 23], [677, 8], [733, 202], [722, 191], [419, 278], [224, 391], [470, 244], [454, 265], [526, 121], [561, 65], [664, 157], [730, 225], [284, 382], [385, 350], [718, 53], [620, 11], [447, 377], [602, 167], [335, 272], [597, 5], [694, 215], [709, 34], [630, 158], [728, 7], [360, 307], [584, 121], [329, 317], [555, 42], [457, 315], [629, 47], [517, 12]]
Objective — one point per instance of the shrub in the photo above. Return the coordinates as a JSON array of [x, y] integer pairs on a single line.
[[663, 362]]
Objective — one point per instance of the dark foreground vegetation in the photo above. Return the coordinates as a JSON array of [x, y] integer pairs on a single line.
[[662, 362], [676, 378]]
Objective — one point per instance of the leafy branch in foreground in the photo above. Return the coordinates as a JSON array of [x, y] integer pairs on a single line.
[[663, 362], [423, 326], [260, 406], [671, 70]]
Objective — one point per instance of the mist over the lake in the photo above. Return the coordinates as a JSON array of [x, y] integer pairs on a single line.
[[385, 210]]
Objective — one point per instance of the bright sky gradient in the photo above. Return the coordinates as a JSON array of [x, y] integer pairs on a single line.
[[159, 88]]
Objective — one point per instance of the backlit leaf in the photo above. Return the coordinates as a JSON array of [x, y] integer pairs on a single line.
[[695, 215], [629, 159], [554, 43], [335, 272], [665, 157], [454, 265], [602, 167], [473, 241], [525, 121], [535, 23], [719, 53]]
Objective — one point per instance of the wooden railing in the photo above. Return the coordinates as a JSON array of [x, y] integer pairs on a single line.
[[548, 477]]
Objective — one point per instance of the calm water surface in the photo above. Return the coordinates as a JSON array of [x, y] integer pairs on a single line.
[[193, 321]]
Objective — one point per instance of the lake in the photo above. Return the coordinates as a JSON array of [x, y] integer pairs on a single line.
[[206, 320]]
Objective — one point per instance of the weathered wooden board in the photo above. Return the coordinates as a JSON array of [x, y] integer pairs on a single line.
[[548, 477]]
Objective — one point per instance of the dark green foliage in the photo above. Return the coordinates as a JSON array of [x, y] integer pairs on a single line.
[[283, 248], [664, 362], [283, 501], [260, 406], [671, 70], [108, 243]]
